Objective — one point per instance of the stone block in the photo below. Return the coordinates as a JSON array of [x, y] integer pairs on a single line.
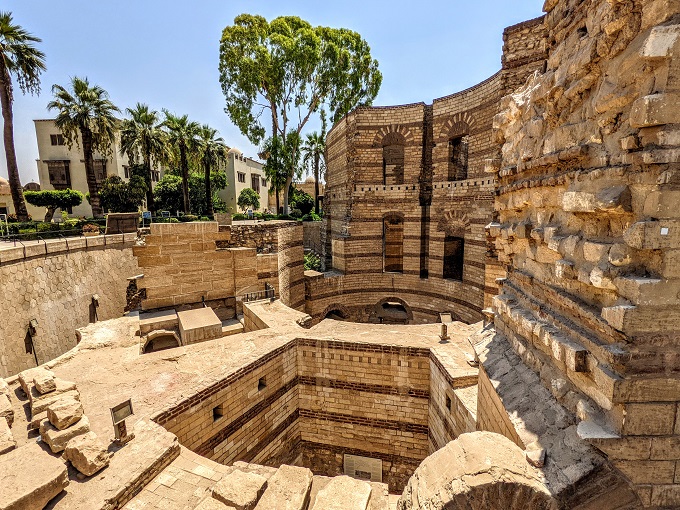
[[30, 478], [6, 410], [199, 325], [44, 382], [655, 110], [343, 493], [239, 489], [288, 489], [88, 454], [7, 442], [58, 439], [649, 419], [609, 199], [40, 405], [26, 378], [165, 319], [4, 387], [65, 412]]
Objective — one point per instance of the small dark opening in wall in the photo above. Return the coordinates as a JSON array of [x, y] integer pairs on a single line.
[[448, 402], [582, 32], [218, 412], [262, 383]]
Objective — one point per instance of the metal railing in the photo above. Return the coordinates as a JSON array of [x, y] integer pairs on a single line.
[[268, 293]]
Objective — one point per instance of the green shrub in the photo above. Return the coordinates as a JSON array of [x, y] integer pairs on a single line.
[[312, 262], [312, 216], [239, 216]]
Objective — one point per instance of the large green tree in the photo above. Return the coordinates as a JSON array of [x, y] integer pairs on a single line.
[[248, 198], [141, 138], [118, 196], [280, 157], [21, 59], [294, 70], [86, 110], [183, 137], [212, 152], [53, 199]]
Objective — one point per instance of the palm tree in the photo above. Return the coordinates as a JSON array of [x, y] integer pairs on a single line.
[[314, 149], [86, 111], [20, 58], [213, 151], [141, 136], [183, 136]]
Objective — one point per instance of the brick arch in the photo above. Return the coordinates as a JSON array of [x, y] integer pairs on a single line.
[[454, 223], [341, 308], [387, 135], [457, 125]]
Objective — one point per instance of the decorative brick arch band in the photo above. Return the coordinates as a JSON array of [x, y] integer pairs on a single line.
[[457, 125], [454, 223], [392, 134]]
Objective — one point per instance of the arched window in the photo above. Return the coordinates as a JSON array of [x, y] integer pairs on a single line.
[[458, 151], [393, 243], [393, 158]]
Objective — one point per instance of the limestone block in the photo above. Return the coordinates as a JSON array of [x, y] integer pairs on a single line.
[[88, 454], [65, 412], [239, 489], [653, 235], [7, 442], [564, 269], [4, 387], [620, 255], [61, 386], [40, 405], [662, 204], [660, 42], [6, 410], [30, 477], [288, 489], [609, 199], [601, 279], [343, 493], [58, 439], [199, 325], [36, 420], [44, 382], [594, 252], [380, 497], [26, 378], [655, 110]]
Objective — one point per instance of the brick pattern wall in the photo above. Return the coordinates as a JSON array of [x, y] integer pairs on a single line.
[[54, 282]]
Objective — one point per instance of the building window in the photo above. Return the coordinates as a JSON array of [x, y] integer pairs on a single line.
[[264, 182], [262, 383], [241, 177], [218, 412], [454, 248], [57, 139], [155, 175], [393, 159], [255, 182], [126, 169], [60, 174], [458, 158], [393, 244], [448, 402]]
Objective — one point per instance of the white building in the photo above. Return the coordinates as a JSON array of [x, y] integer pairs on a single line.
[[243, 172], [60, 168]]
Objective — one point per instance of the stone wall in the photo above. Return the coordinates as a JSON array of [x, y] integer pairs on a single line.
[[187, 263], [431, 204], [588, 227], [53, 282]]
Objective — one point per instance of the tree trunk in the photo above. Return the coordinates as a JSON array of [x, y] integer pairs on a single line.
[[10, 154], [277, 202], [92, 186], [316, 182], [286, 189], [49, 214], [208, 192], [185, 177], [149, 183]]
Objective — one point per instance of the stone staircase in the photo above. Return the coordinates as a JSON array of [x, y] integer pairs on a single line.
[[250, 486]]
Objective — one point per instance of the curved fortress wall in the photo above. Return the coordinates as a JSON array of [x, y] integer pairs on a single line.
[[408, 196], [53, 283]]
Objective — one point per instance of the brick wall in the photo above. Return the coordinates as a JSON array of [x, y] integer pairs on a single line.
[[54, 282]]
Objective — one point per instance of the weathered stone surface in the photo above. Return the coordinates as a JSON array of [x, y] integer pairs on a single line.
[[6, 410], [65, 412], [265, 471], [26, 378], [40, 405], [239, 489], [343, 493], [478, 467], [212, 504], [7, 441], [29, 478], [288, 489], [4, 387], [199, 325], [58, 439], [87, 453], [44, 382]]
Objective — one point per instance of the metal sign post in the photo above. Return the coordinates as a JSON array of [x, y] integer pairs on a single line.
[[118, 415]]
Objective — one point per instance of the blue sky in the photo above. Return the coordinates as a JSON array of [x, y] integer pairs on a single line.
[[165, 52]]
